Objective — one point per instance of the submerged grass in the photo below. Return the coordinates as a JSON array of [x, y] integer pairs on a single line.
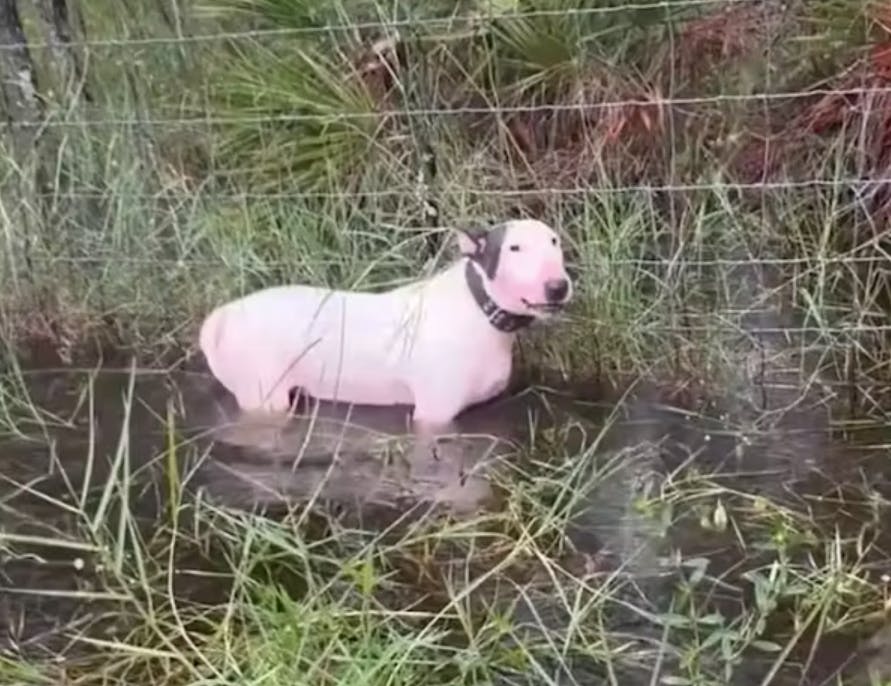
[[700, 575]]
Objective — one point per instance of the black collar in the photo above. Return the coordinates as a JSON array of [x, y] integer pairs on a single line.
[[504, 321]]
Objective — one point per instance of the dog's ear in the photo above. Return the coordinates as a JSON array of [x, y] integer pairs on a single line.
[[483, 245], [472, 241]]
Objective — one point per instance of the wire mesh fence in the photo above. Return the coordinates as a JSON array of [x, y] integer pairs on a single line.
[[719, 171], [720, 168]]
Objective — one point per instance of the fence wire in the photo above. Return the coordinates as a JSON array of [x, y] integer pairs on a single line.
[[718, 187], [383, 23], [501, 110]]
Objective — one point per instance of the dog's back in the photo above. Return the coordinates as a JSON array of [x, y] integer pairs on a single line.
[[330, 343]]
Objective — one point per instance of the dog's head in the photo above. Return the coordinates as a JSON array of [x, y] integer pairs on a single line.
[[522, 264]]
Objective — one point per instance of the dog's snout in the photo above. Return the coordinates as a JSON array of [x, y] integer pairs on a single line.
[[556, 290]]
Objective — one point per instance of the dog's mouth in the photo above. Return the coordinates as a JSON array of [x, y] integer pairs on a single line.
[[544, 307]]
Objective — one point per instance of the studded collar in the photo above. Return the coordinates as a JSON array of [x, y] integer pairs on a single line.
[[502, 320]]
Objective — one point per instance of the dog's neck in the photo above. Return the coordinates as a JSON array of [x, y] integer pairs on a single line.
[[502, 320]]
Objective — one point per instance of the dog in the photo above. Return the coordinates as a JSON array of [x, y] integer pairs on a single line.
[[439, 344]]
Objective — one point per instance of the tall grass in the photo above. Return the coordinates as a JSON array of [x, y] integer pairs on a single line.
[[206, 171]]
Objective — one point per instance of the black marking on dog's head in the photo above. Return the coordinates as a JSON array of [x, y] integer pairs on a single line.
[[488, 247]]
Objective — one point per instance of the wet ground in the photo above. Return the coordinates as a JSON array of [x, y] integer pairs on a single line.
[[78, 426]]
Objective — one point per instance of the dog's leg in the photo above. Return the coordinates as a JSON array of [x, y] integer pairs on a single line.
[[278, 402], [434, 414], [433, 417], [259, 394], [426, 435]]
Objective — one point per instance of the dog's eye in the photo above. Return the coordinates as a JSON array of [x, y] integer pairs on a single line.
[[515, 248], [553, 241]]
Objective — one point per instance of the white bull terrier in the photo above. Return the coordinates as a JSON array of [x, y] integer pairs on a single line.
[[440, 344]]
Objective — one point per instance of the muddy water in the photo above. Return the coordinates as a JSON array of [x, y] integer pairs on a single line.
[[356, 459]]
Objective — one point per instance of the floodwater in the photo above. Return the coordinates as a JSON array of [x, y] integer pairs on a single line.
[[356, 461]]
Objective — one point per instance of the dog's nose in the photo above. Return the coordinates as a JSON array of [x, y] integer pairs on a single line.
[[556, 290]]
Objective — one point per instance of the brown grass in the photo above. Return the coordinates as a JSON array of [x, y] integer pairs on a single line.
[[719, 37], [566, 148], [859, 113], [627, 142]]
